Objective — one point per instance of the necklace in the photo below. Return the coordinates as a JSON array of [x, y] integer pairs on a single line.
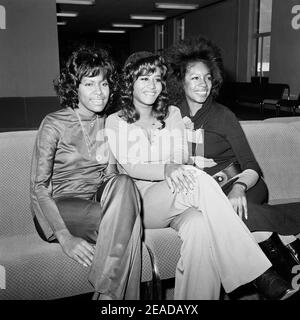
[[87, 139]]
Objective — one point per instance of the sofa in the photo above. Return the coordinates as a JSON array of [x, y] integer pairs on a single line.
[[31, 268]]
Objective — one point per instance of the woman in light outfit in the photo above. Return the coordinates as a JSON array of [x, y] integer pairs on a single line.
[[217, 246]]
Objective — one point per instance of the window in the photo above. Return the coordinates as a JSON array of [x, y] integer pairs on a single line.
[[263, 38], [159, 38], [179, 31]]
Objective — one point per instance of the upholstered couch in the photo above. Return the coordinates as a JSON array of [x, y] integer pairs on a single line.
[[31, 268], [35, 269]]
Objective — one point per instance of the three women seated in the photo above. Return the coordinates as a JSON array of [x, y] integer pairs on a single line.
[[96, 179]]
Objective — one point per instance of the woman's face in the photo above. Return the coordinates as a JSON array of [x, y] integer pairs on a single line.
[[93, 94], [197, 82], [146, 89]]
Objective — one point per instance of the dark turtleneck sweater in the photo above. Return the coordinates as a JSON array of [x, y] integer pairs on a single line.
[[224, 139]]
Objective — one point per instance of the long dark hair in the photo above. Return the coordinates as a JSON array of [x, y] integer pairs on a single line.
[[84, 62], [196, 49], [139, 64]]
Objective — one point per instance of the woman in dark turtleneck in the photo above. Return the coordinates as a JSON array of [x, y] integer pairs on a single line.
[[218, 145]]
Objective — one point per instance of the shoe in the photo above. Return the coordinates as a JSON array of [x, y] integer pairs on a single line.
[[280, 256], [294, 249], [272, 287]]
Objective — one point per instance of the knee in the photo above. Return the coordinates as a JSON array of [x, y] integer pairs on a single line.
[[123, 180], [192, 220], [195, 218], [192, 228], [126, 185]]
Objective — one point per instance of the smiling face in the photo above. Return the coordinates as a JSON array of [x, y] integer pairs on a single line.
[[197, 83], [146, 89], [93, 94]]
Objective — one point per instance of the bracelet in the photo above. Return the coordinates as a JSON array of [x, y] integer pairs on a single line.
[[242, 184]]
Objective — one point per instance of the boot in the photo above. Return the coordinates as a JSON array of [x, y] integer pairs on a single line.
[[294, 249], [280, 256], [272, 287]]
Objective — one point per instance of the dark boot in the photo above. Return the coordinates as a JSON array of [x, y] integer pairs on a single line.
[[279, 255], [272, 287], [294, 249]]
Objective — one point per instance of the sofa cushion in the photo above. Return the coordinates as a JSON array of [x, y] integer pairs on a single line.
[[38, 270], [277, 149], [283, 119], [296, 124], [16, 151]]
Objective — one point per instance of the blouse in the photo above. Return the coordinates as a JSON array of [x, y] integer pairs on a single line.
[[62, 165], [143, 156]]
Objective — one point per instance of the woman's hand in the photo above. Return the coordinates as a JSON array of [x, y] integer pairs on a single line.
[[76, 248], [237, 197], [178, 178]]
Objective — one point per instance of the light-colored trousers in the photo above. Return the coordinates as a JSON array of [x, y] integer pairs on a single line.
[[217, 246]]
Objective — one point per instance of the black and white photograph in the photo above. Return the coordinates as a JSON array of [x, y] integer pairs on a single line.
[[149, 155]]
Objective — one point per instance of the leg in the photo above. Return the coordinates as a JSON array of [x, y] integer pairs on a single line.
[[82, 217], [258, 221], [196, 248], [119, 240], [238, 259], [116, 267], [196, 275], [259, 193], [263, 220], [263, 217]]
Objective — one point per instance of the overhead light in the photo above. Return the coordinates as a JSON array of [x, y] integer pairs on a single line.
[[146, 17], [126, 25], [61, 23], [111, 31], [67, 14], [182, 6], [85, 2]]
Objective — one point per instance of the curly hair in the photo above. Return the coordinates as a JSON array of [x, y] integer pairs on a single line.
[[84, 62], [140, 64], [196, 49]]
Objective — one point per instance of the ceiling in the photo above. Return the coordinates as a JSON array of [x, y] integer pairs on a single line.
[[105, 12]]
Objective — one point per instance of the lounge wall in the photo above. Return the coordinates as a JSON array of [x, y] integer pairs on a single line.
[[218, 22], [28, 48], [285, 44]]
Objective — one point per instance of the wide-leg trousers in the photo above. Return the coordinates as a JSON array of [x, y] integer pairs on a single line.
[[113, 223], [217, 246]]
